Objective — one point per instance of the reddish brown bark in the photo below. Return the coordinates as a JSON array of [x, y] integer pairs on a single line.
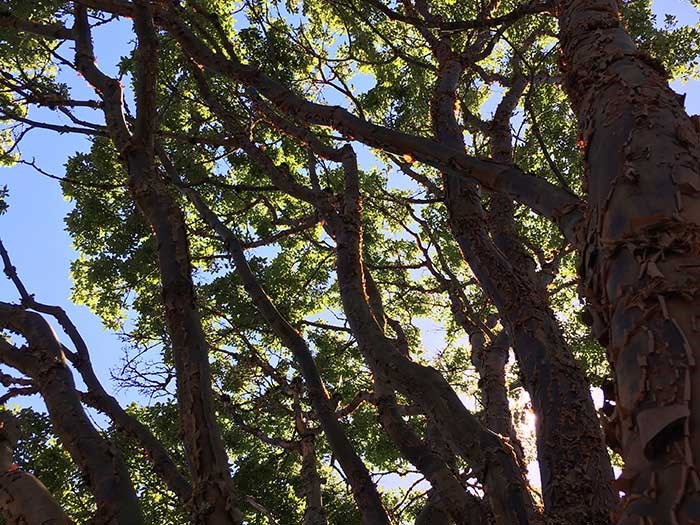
[[212, 486], [425, 385], [43, 361], [451, 496], [364, 490], [213, 489], [490, 361], [572, 458], [501, 224], [23, 498], [488, 357], [454, 496], [57, 31], [574, 465], [640, 255]]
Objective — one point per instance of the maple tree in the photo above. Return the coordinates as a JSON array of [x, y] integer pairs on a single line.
[[276, 198]]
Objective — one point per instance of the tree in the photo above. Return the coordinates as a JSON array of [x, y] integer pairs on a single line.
[[244, 187]]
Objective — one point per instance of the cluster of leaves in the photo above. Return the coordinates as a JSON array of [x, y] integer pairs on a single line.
[[345, 52], [672, 43]]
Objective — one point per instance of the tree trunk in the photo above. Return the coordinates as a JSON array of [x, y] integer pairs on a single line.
[[452, 497], [213, 489], [424, 385], [43, 360], [212, 486], [574, 465], [640, 255], [23, 498], [364, 490], [432, 513], [314, 511], [96, 395], [490, 361]]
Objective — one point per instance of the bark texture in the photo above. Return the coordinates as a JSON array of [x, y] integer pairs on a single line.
[[212, 487], [97, 396], [364, 490], [547, 199], [449, 495], [314, 512], [640, 268], [432, 513], [24, 500], [571, 453], [640, 256], [423, 385], [43, 360]]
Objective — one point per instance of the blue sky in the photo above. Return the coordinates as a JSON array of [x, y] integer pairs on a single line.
[[33, 229]]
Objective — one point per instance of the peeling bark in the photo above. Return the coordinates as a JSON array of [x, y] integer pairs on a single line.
[[490, 361], [640, 248], [213, 490], [574, 465], [640, 253]]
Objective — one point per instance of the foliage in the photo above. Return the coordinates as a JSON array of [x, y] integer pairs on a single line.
[[342, 53]]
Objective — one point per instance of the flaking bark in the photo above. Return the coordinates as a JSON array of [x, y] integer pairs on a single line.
[[213, 490], [640, 252], [572, 456]]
